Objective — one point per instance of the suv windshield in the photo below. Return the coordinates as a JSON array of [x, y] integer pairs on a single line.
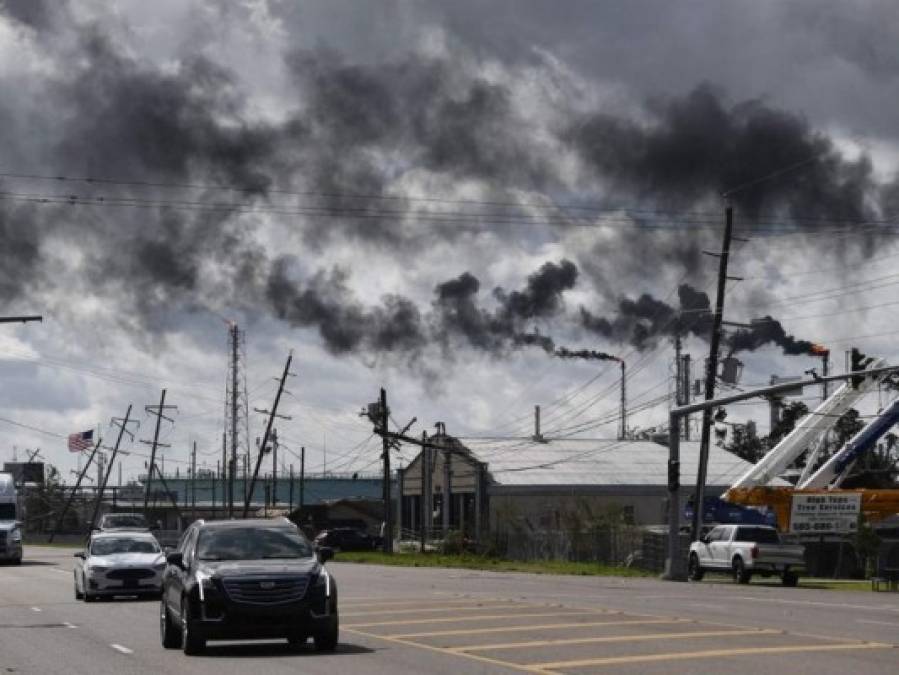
[[124, 521], [111, 546], [252, 543]]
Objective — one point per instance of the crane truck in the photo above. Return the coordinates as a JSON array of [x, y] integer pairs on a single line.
[[752, 489]]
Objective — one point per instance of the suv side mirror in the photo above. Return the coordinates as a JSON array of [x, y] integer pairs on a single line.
[[325, 553], [176, 558], [78, 554]]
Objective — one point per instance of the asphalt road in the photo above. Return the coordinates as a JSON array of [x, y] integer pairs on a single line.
[[398, 621]]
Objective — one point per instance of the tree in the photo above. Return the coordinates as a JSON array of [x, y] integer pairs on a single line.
[[744, 444], [790, 414]]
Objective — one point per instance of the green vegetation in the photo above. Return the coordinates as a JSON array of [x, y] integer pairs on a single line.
[[478, 562]]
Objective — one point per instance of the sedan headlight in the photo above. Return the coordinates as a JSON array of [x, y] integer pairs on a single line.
[[97, 569], [16, 536]]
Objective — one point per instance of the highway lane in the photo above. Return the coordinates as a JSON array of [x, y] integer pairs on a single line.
[[397, 620]]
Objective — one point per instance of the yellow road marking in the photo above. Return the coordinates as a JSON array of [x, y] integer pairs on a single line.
[[710, 653], [548, 626], [613, 638], [439, 650], [431, 610], [457, 619]]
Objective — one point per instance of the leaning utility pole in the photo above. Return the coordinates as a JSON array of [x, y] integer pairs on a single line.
[[268, 432], [74, 491], [710, 375], [122, 424], [159, 411]]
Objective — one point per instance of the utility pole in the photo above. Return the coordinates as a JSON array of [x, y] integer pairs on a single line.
[[274, 467], [710, 375], [385, 444], [122, 424], [302, 476], [268, 432], [193, 483], [425, 476], [235, 338], [290, 506], [159, 411], [74, 491], [622, 435]]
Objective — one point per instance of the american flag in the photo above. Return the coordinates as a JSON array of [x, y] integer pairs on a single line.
[[81, 441]]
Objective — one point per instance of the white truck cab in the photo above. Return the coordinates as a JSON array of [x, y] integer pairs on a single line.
[[744, 550], [10, 527]]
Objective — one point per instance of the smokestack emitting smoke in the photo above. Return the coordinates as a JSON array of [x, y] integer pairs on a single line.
[[106, 112]]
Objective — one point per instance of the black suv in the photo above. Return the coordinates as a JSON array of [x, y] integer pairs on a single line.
[[247, 579]]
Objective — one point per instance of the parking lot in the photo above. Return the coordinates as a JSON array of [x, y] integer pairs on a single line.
[[557, 638], [398, 620]]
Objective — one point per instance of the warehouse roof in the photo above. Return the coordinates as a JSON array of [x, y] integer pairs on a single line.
[[590, 462]]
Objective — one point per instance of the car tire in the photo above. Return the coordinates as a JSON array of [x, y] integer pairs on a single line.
[[790, 579], [326, 640], [694, 569], [17, 561], [169, 634], [741, 574], [78, 594], [191, 643]]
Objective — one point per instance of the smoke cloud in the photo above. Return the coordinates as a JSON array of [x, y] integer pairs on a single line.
[[356, 130]]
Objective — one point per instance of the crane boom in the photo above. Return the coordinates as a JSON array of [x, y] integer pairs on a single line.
[[807, 431], [835, 470]]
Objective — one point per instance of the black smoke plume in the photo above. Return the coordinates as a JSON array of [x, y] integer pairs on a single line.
[[642, 322], [585, 354], [768, 331]]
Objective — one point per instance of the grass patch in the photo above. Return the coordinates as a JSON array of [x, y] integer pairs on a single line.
[[477, 562]]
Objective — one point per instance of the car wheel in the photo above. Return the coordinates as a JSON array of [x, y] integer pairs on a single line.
[[78, 594], [326, 640], [17, 561], [741, 575], [694, 569], [168, 633], [790, 579], [191, 643]]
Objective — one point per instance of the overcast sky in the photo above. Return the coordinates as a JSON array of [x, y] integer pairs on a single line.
[[434, 197]]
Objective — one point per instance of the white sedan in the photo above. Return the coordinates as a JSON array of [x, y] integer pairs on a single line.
[[119, 563]]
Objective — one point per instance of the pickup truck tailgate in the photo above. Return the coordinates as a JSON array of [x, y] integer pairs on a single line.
[[781, 554]]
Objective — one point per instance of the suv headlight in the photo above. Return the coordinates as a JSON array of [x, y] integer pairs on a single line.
[[16, 536], [97, 569], [204, 583], [324, 581]]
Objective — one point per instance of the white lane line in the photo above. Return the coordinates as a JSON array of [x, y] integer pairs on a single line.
[[120, 648], [36, 609], [878, 623]]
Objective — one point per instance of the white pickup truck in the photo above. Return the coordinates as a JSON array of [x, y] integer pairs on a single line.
[[744, 550]]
